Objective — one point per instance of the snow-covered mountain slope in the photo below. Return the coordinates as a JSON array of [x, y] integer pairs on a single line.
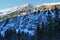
[[10, 10], [28, 23], [25, 23], [6, 13], [26, 9], [26, 18]]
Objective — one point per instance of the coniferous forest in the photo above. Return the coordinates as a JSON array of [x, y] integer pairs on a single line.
[[48, 31]]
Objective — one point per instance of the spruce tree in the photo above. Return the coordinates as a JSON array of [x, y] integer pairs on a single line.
[[49, 19]]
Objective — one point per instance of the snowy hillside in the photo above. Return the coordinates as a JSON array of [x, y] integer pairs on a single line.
[[26, 9], [29, 19]]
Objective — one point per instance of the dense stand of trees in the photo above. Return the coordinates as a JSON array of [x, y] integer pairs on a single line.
[[50, 31]]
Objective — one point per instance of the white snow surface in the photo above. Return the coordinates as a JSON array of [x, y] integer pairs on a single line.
[[13, 9], [55, 3]]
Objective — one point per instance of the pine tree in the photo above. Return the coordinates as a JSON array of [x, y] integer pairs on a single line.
[[37, 32], [49, 32], [22, 36], [1, 38], [42, 33], [10, 35], [33, 37], [43, 26], [56, 20], [19, 35]]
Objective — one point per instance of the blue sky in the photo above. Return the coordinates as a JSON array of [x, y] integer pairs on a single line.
[[12, 3]]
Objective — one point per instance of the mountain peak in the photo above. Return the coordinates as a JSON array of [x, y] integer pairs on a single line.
[[27, 4], [28, 8]]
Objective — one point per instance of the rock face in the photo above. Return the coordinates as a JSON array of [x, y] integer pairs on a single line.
[[28, 23]]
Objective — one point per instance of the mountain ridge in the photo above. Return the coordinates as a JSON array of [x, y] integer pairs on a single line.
[[26, 9], [27, 21]]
